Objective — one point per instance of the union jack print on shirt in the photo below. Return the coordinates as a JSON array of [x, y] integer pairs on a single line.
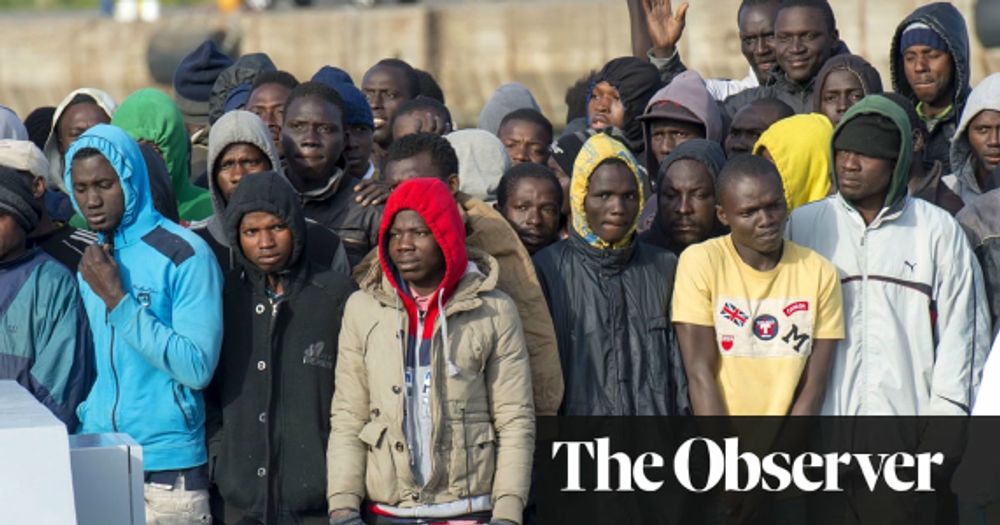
[[731, 312]]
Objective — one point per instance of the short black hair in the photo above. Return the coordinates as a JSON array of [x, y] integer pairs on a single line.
[[443, 156], [528, 115], [527, 170], [822, 5], [742, 166], [412, 78], [745, 4], [576, 97], [782, 109], [86, 153], [422, 103], [318, 90], [429, 86], [283, 78], [39, 124]]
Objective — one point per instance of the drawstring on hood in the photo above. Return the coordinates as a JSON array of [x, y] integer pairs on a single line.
[[597, 149], [880, 105], [139, 216]]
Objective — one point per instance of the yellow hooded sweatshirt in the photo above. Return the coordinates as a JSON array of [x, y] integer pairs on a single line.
[[800, 148]]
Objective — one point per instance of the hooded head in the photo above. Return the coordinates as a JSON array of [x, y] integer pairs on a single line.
[[267, 192], [149, 115], [482, 160], [596, 151], [237, 127], [850, 79], [52, 145], [685, 205], [193, 80], [799, 147], [864, 130], [684, 101], [432, 201], [505, 100], [122, 153], [243, 71], [11, 127], [986, 97], [636, 81], [940, 22]]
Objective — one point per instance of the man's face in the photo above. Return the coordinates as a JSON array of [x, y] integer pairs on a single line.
[[665, 135], [605, 108], [98, 193], [533, 210], [77, 119], [841, 90], [312, 137], [415, 252], [386, 88], [12, 238], [525, 142], [757, 37], [748, 125], [237, 160], [266, 241], [754, 208], [984, 138], [268, 103], [802, 42], [862, 179], [612, 201], [930, 73], [687, 203], [359, 149]]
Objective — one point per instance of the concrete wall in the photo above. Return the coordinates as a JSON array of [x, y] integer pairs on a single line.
[[470, 48]]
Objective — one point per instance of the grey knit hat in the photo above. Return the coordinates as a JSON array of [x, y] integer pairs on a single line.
[[17, 201]]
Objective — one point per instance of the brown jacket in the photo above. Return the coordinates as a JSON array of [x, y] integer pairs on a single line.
[[488, 231], [483, 413]]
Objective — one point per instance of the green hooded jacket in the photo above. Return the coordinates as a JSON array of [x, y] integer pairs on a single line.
[[149, 114], [879, 105]]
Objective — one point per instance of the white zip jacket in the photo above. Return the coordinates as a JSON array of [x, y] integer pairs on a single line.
[[915, 310]]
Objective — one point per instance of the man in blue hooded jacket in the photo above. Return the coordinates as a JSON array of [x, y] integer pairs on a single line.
[[152, 292]]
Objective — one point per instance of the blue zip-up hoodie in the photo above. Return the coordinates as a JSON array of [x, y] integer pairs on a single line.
[[158, 347]]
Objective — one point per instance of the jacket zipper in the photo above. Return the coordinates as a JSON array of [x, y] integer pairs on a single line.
[[864, 315], [114, 374]]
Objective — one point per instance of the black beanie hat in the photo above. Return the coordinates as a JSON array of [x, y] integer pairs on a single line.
[[870, 135], [194, 78], [17, 201]]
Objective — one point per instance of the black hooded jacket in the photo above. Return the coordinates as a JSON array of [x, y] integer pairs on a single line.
[[945, 20], [610, 309], [636, 81], [269, 402]]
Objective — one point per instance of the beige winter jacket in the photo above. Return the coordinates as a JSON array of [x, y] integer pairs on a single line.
[[483, 413]]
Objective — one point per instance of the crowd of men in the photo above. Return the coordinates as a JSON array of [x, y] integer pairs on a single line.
[[321, 302]]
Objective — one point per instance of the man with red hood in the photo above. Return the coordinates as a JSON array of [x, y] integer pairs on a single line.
[[433, 416]]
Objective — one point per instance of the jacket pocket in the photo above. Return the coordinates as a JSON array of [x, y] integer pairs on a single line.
[[657, 354], [473, 459], [380, 472]]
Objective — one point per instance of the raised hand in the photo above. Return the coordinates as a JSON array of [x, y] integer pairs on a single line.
[[664, 24]]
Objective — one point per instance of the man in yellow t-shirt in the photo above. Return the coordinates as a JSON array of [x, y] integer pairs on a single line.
[[757, 317]]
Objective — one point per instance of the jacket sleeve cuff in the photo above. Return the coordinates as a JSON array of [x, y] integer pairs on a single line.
[[508, 508], [124, 311], [661, 63], [344, 501]]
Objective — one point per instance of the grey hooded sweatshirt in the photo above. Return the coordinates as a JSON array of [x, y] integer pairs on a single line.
[[242, 127], [963, 180]]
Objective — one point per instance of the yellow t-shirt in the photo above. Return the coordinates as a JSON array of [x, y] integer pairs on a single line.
[[765, 322]]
